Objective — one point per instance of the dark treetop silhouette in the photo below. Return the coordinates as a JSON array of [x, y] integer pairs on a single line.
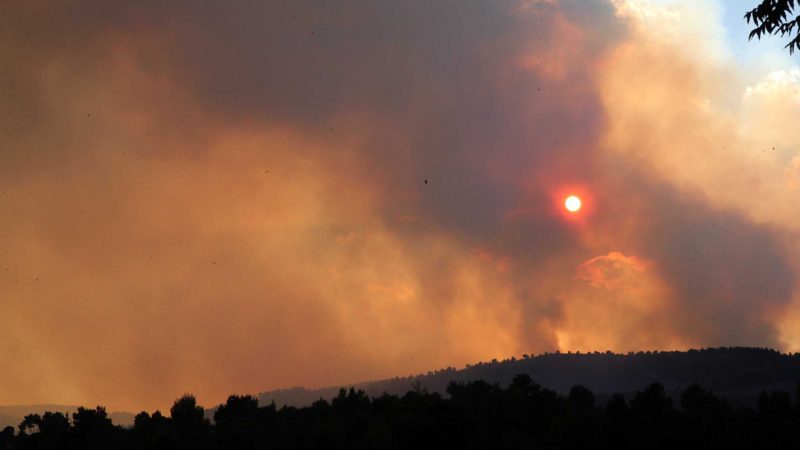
[[775, 17], [519, 413], [475, 415]]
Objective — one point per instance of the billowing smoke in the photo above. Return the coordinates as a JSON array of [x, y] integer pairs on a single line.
[[214, 198]]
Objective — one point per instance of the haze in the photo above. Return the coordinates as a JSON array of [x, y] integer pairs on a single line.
[[217, 198]]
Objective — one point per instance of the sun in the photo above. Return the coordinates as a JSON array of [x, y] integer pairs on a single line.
[[572, 203]]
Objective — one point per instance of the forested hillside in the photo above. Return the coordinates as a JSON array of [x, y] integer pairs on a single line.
[[737, 373]]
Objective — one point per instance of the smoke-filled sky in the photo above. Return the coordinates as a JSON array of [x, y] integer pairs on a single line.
[[228, 197]]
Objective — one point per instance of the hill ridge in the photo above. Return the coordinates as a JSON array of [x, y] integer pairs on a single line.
[[738, 373]]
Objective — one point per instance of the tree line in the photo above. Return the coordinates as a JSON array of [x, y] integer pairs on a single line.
[[473, 415], [736, 373]]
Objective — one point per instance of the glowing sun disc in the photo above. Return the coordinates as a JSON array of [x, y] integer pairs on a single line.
[[572, 203]]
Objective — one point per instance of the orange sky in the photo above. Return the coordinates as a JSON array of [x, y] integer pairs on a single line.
[[212, 198]]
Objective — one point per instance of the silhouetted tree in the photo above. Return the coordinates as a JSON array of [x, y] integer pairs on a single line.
[[152, 432], [6, 438], [47, 432], [577, 424], [616, 424], [653, 418], [92, 429], [30, 424], [776, 422], [241, 424], [707, 419], [192, 429], [581, 398], [775, 17]]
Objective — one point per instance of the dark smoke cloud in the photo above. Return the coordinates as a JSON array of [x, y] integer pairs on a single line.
[[216, 197]]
